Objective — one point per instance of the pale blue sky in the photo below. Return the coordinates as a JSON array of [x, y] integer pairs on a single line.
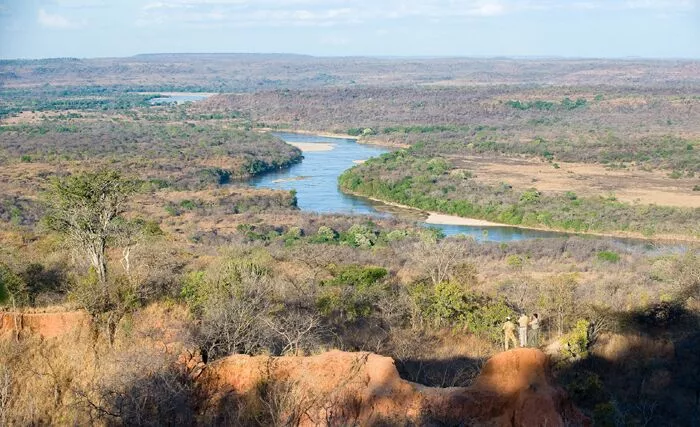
[[585, 28]]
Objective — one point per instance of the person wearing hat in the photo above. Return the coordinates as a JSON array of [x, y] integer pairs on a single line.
[[509, 332]]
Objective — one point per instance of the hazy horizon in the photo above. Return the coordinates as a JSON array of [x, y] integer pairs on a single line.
[[620, 29]]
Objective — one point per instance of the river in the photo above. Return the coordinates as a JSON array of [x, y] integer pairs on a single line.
[[315, 180]]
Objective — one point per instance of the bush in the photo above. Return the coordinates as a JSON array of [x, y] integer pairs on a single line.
[[12, 288], [515, 261], [325, 235], [352, 292], [575, 344], [608, 256], [361, 236]]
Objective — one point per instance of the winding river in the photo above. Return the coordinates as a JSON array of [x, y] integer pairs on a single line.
[[315, 180]]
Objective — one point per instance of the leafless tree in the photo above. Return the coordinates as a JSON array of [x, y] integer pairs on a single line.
[[440, 259], [298, 330]]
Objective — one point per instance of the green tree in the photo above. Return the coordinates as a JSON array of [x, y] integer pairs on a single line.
[[12, 287], [86, 208]]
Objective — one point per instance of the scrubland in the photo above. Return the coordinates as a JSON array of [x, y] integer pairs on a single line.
[[195, 265]]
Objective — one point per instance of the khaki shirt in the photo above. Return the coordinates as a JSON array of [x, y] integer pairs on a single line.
[[509, 327], [523, 321]]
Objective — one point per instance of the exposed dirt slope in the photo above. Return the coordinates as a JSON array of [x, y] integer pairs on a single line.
[[515, 388], [47, 325]]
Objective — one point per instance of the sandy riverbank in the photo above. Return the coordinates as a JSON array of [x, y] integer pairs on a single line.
[[444, 219], [437, 218], [312, 146]]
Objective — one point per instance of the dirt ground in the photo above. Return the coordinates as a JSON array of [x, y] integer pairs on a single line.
[[628, 185]]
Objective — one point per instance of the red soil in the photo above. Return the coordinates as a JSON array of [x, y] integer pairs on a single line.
[[515, 388]]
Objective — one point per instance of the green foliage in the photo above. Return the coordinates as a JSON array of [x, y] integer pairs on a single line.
[[514, 261], [325, 234], [12, 288], [352, 292], [193, 290], [360, 235], [86, 208], [4, 293], [403, 177], [530, 196], [566, 104], [356, 276], [292, 235], [571, 195], [437, 166], [396, 235], [449, 304], [172, 209], [188, 205], [575, 344], [608, 256]]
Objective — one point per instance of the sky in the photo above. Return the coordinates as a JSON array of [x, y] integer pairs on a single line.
[[585, 28]]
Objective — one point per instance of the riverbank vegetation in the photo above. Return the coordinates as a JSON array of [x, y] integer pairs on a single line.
[[406, 177]]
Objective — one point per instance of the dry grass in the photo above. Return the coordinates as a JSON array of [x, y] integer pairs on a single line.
[[629, 185]]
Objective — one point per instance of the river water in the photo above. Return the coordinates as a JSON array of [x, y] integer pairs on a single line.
[[315, 180], [179, 98]]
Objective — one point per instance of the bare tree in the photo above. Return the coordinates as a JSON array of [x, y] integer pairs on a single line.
[[440, 259], [297, 329], [557, 298]]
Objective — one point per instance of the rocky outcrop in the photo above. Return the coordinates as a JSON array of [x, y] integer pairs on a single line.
[[515, 388]]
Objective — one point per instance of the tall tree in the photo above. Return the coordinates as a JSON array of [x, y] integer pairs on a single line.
[[86, 208]]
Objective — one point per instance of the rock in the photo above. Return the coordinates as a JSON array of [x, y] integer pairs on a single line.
[[515, 388]]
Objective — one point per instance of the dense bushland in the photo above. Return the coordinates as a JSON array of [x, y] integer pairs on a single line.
[[410, 177], [181, 155]]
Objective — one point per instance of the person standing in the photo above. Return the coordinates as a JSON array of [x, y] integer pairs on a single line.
[[522, 322], [535, 330], [509, 333]]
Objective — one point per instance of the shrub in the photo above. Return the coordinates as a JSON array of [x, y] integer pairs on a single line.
[[530, 196], [571, 195], [12, 287], [608, 256], [361, 236], [325, 234], [292, 235], [575, 344], [514, 261], [188, 205], [352, 292]]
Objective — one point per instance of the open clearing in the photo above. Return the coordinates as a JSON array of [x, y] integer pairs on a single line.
[[629, 185]]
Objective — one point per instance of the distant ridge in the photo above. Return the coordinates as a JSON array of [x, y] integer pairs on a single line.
[[233, 55]]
